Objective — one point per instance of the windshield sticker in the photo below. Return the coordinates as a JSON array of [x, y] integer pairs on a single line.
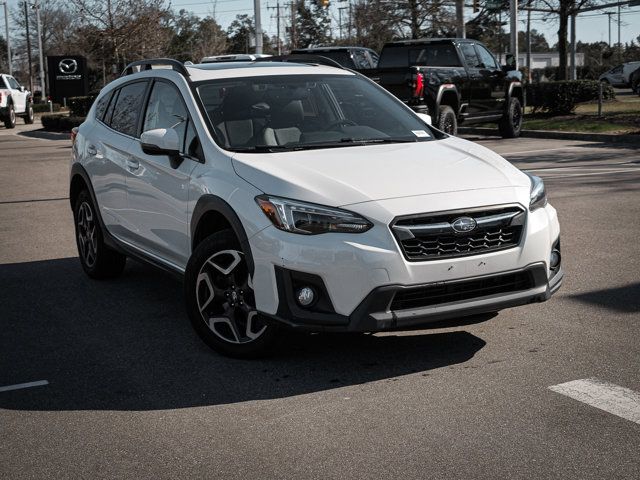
[[420, 133]]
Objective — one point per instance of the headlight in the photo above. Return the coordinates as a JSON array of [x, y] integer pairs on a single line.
[[538, 194], [308, 218]]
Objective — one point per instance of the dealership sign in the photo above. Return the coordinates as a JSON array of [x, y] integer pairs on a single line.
[[67, 77]]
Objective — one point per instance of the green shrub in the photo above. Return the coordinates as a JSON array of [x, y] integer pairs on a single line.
[[60, 123], [80, 106], [44, 107], [561, 98]]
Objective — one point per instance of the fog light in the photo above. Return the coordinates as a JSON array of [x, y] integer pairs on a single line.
[[554, 261], [306, 296]]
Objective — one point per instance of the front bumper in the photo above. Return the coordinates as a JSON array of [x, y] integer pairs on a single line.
[[376, 312], [361, 274]]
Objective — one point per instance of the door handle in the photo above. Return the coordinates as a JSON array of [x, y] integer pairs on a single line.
[[133, 164], [92, 150]]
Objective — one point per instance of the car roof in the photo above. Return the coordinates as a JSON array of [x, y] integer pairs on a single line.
[[326, 49], [221, 70]]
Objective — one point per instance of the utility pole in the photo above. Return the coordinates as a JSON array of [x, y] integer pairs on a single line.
[[619, 42], [26, 17], [6, 26], [42, 85], [294, 5], [256, 12], [608, 14], [277, 9], [573, 73], [460, 31], [514, 31], [529, 45]]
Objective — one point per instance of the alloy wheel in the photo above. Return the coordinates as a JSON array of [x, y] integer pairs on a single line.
[[224, 294], [87, 234]]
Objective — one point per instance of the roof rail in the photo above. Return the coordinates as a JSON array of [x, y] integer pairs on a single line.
[[147, 64], [313, 59]]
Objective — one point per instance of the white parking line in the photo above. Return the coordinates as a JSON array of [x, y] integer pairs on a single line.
[[606, 396], [19, 386]]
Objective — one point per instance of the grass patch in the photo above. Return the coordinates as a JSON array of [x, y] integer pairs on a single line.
[[577, 124]]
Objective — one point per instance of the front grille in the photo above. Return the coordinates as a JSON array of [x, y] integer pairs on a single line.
[[433, 237], [447, 292]]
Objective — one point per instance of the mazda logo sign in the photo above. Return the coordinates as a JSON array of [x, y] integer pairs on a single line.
[[68, 66], [463, 224]]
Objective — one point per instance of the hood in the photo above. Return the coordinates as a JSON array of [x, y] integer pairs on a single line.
[[349, 175]]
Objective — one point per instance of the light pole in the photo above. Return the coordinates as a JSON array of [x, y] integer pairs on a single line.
[[6, 26], [36, 6]]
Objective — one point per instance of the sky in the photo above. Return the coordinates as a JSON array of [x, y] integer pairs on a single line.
[[591, 26]]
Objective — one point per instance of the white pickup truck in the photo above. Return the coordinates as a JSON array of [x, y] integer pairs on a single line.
[[15, 100]]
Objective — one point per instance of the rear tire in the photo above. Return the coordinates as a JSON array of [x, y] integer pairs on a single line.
[[97, 259], [220, 300], [28, 116], [511, 123], [447, 121], [10, 119]]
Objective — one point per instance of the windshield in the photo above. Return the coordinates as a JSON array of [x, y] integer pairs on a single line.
[[282, 112]]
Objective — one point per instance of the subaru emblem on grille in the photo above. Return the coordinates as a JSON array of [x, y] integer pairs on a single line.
[[463, 224]]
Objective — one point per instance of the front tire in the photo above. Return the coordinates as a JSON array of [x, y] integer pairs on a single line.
[[28, 116], [10, 119], [511, 123], [447, 120], [220, 300], [97, 259]]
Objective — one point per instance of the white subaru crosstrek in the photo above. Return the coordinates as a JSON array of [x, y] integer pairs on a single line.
[[303, 196]]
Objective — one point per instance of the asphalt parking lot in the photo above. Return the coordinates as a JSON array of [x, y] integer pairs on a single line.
[[127, 390]]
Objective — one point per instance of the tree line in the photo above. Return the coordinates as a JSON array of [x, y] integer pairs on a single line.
[[112, 33]]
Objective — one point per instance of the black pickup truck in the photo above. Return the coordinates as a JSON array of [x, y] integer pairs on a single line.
[[454, 80]]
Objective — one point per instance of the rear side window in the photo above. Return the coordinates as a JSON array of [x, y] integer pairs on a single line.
[[436, 55], [126, 112], [3, 84], [101, 105]]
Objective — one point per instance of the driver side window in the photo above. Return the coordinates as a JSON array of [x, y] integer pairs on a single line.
[[486, 58], [167, 110], [13, 83]]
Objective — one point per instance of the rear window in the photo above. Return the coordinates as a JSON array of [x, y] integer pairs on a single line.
[[437, 55]]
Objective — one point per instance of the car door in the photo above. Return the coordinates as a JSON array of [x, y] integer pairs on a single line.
[[157, 185], [615, 76], [18, 95], [494, 97], [475, 86], [108, 145]]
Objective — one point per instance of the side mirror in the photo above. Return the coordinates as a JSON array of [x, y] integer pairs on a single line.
[[424, 117], [160, 141], [510, 61], [21, 88]]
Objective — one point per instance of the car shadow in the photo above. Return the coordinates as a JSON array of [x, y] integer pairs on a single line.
[[625, 299], [126, 344], [46, 135]]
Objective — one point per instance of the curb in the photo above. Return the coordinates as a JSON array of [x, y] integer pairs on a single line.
[[555, 135]]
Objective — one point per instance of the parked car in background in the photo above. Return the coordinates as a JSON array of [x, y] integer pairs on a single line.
[[239, 57], [15, 101], [619, 76], [634, 80], [355, 58], [454, 80], [302, 196]]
